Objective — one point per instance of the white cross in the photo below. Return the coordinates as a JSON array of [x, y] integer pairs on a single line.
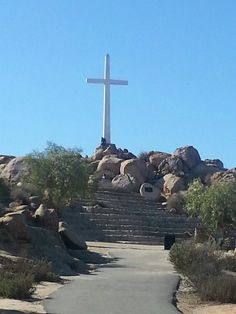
[[106, 103]]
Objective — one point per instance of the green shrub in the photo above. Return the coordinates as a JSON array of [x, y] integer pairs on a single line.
[[228, 262], [16, 285], [215, 205], [41, 271], [195, 260], [60, 175], [219, 288]]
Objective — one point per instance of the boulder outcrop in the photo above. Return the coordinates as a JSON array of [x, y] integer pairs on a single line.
[[70, 238], [222, 176], [136, 168], [189, 155], [155, 158], [14, 169], [174, 165], [111, 164], [172, 184], [47, 218], [15, 223], [203, 170], [111, 149], [125, 182]]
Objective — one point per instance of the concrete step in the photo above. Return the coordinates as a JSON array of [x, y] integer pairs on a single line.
[[137, 232], [141, 227], [128, 211], [134, 218], [126, 217]]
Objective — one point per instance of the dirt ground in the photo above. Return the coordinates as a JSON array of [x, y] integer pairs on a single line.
[[188, 302]]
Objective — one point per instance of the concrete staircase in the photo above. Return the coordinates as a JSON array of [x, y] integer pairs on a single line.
[[113, 216]]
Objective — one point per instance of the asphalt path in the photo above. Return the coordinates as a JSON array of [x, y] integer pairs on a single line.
[[140, 280]]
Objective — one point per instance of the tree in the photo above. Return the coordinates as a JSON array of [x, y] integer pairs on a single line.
[[60, 175], [215, 205]]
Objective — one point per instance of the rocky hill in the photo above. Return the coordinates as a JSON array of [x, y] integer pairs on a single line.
[[29, 229], [155, 174]]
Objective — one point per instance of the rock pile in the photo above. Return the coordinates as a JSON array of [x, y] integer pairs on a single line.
[[31, 230], [164, 173]]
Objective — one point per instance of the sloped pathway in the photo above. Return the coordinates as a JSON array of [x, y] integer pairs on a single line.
[[139, 281]]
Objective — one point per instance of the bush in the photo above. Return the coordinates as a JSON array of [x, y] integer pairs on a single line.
[[218, 288], [194, 260], [60, 175], [215, 205], [202, 264], [228, 262], [16, 285], [39, 270]]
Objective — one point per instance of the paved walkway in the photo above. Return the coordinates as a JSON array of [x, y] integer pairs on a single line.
[[139, 281]]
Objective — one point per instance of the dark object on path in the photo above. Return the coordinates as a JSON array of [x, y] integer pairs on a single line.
[[169, 240]]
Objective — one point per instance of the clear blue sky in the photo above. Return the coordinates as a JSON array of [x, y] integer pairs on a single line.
[[178, 56]]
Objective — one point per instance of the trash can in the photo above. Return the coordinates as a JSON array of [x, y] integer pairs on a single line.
[[169, 240]]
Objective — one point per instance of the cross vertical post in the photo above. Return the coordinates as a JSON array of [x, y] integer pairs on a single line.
[[107, 81]]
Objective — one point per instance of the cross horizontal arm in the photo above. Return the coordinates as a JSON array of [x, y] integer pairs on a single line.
[[118, 82], [95, 81]]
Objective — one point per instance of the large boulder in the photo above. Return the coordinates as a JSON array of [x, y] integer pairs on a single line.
[[157, 157], [110, 163], [151, 172], [47, 218], [189, 155], [106, 150], [4, 159], [14, 169], [174, 165], [136, 168], [111, 149], [98, 154], [214, 162], [159, 183], [125, 182], [15, 224], [47, 244], [149, 191], [70, 238], [203, 170], [222, 176], [173, 184]]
